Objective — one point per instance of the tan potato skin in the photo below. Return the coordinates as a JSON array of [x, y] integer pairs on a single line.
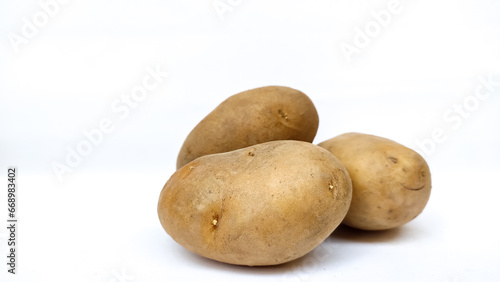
[[391, 183], [252, 117], [262, 205]]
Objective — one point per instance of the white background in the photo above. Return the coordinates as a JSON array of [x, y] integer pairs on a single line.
[[99, 223]]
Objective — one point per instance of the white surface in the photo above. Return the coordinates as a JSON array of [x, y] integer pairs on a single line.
[[100, 221]]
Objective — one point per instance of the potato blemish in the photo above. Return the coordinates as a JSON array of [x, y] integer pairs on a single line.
[[215, 220], [393, 159], [412, 188], [186, 171], [283, 114], [330, 186]]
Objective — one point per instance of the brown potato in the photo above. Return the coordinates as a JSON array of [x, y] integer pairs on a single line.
[[252, 117], [391, 183], [263, 205]]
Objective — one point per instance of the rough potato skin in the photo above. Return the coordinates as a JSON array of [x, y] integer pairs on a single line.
[[263, 205], [252, 117], [391, 183]]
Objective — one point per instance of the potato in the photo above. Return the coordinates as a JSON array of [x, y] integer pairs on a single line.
[[391, 183], [252, 117], [263, 205]]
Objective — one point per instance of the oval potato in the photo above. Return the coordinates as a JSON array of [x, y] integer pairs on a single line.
[[391, 183], [252, 117], [263, 205]]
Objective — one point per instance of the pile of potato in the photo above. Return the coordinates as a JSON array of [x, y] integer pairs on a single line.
[[251, 189]]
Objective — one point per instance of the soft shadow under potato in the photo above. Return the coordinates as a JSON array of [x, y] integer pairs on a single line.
[[346, 233], [279, 269]]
